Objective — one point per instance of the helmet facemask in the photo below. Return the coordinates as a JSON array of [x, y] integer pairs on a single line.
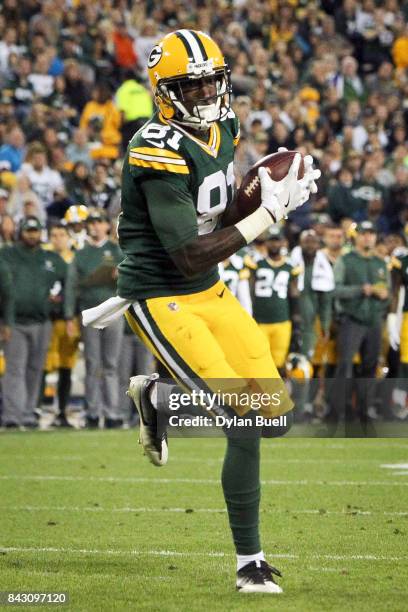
[[200, 113]]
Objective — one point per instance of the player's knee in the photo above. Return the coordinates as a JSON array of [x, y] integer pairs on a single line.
[[277, 431]]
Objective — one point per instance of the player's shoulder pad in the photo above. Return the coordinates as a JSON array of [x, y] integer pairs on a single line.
[[249, 262], [244, 274], [296, 270], [231, 123], [157, 146]]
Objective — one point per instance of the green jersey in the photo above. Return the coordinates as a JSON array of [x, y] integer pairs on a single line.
[[270, 290], [91, 276], [351, 272], [234, 270], [174, 187], [35, 275]]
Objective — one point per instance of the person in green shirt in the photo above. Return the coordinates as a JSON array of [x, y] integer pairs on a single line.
[[91, 280], [35, 273], [275, 297], [362, 296]]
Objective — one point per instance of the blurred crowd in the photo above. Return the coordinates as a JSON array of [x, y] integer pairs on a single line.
[[327, 77]]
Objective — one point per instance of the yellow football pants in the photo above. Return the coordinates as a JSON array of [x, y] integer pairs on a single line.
[[63, 349], [209, 339], [278, 335], [404, 338]]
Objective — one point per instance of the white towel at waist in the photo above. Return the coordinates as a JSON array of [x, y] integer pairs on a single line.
[[106, 313], [322, 273]]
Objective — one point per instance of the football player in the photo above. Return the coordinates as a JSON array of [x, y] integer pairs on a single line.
[[235, 274], [275, 297], [75, 218], [178, 221], [63, 347], [397, 330]]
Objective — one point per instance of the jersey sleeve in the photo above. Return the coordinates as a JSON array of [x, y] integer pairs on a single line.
[[171, 211], [156, 161], [157, 150], [295, 271]]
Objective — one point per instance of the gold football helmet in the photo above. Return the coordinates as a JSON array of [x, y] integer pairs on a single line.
[[179, 59], [78, 213], [298, 367]]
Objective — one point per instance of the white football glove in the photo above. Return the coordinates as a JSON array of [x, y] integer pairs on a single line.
[[281, 197], [393, 330], [311, 175]]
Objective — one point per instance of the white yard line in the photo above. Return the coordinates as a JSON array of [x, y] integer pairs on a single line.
[[153, 481], [141, 510], [171, 553]]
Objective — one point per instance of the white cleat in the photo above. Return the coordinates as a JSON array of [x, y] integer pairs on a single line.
[[152, 433], [257, 577]]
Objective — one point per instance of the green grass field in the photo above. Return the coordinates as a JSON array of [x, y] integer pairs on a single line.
[[85, 513]]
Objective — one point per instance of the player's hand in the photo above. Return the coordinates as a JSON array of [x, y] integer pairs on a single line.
[[311, 175], [393, 330], [281, 197], [308, 182]]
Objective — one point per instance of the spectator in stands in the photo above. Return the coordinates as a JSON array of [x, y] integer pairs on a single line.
[[43, 180], [136, 105], [102, 115], [12, 152], [79, 150]]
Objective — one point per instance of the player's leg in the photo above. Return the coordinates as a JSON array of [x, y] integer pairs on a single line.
[[191, 350], [278, 335], [68, 353], [111, 342], [93, 364], [39, 335], [14, 389]]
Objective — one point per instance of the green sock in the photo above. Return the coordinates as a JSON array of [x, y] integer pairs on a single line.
[[242, 492]]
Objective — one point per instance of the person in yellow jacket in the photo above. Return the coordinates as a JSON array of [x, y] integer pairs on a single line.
[[400, 50], [102, 118], [136, 105]]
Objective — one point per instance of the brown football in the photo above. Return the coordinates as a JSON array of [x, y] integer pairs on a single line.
[[277, 164]]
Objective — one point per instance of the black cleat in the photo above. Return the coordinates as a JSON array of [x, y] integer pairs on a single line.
[[257, 577], [152, 437]]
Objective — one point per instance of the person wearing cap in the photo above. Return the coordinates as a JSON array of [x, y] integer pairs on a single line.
[[35, 274], [362, 294], [91, 280], [275, 296]]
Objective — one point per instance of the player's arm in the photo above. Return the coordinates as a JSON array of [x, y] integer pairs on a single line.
[[393, 324], [174, 219], [396, 282], [294, 309], [201, 252]]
